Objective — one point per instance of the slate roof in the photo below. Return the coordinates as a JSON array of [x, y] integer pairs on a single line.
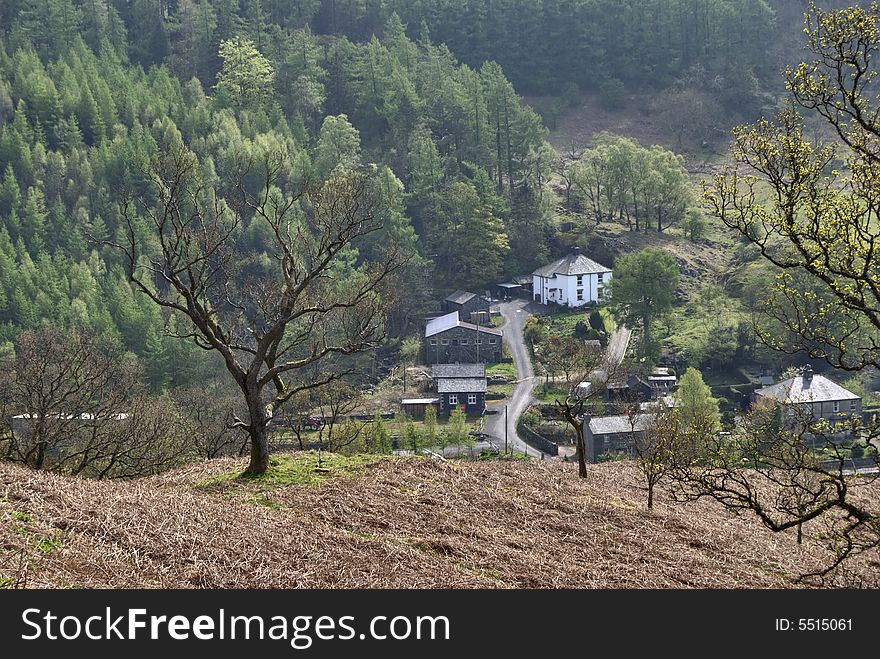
[[806, 389], [419, 401], [441, 324], [461, 385], [450, 320], [458, 370], [460, 297], [610, 425], [573, 264]]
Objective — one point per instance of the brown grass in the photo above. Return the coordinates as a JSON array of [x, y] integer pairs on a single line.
[[401, 523]]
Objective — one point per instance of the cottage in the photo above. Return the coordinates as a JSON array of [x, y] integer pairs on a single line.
[[448, 339], [614, 434], [817, 398], [634, 388], [470, 306], [573, 281], [460, 386]]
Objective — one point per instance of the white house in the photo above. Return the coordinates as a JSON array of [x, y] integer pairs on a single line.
[[573, 280]]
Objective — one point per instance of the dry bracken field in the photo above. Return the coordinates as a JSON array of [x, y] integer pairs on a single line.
[[394, 523]]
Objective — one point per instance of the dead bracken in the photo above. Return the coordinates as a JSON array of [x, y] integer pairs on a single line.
[[397, 523]]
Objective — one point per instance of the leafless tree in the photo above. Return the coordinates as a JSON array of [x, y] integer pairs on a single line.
[[654, 432], [73, 403], [66, 393], [207, 409], [773, 465], [153, 437], [337, 401], [582, 385], [276, 314]]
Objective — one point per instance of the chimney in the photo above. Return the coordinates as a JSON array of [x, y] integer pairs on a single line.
[[576, 250], [808, 376]]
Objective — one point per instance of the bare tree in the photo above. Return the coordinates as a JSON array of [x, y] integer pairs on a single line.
[[73, 403], [336, 402], [654, 432], [153, 437], [582, 385], [207, 409], [770, 466], [274, 314], [560, 354], [66, 392]]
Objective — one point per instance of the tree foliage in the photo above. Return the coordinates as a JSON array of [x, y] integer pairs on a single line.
[[818, 228], [643, 288]]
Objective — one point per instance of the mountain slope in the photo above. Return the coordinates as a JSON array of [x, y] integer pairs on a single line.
[[401, 523]]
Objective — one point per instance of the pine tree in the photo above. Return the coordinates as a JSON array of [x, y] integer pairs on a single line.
[[10, 195], [157, 361], [33, 221]]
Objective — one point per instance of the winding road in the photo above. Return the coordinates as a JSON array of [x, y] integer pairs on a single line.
[[515, 314]]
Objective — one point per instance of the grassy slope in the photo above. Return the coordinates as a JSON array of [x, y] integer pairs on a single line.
[[393, 523]]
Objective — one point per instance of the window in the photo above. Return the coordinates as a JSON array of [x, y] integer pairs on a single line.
[[580, 280], [853, 405], [464, 342], [472, 399], [479, 341], [453, 400], [600, 276], [444, 342], [433, 342], [836, 406], [580, 295], [492, 341]]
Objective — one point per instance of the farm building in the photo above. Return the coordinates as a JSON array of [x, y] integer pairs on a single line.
[[448, 339]]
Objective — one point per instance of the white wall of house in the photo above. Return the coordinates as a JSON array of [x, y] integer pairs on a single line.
[[571, 290]]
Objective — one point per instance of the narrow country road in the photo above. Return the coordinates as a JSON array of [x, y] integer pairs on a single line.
[[515, 314], [617, 345]]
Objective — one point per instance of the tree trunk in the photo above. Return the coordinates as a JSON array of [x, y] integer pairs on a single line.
[[581, 452], [650, 495], [259, 463], [259, 435]]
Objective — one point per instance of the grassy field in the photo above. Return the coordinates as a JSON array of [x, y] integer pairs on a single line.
[[506, 369]]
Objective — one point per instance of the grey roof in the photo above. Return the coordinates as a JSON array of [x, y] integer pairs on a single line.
[[460, 297], [573, 264], [509, 284], [806, 389], [523, 279], [450, 320], [482, 329], [441, 324], [461, 385], [419, 401], [610, 425], [458, 370]]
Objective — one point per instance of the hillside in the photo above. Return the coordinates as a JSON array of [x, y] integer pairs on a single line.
[[400, 523]]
